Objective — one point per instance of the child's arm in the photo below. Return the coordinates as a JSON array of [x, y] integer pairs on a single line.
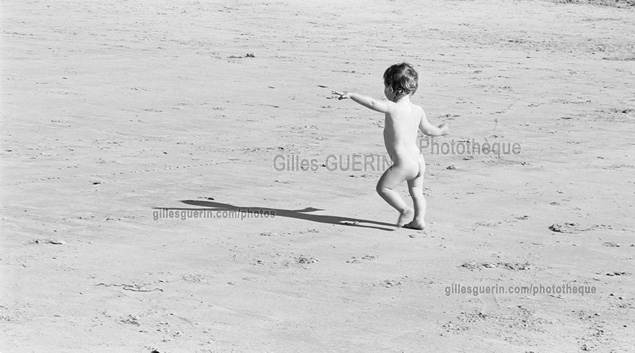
[[432, 130], [368, 102]]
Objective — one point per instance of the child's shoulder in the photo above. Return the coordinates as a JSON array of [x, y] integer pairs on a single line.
[[417, 107]]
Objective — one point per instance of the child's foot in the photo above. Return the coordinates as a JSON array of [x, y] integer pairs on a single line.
[[405, 217], [418, 225]]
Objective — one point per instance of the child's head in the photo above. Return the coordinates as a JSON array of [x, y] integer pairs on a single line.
[[400, 79]]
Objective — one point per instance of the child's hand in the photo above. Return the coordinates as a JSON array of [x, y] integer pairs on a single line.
[[342, 95]]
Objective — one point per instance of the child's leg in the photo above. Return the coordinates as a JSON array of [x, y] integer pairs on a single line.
[[415, 186], [388, 181]]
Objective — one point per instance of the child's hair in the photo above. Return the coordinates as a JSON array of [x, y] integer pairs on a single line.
[[402, 78]]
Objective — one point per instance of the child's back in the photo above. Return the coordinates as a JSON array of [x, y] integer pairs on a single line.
[[400, 130]]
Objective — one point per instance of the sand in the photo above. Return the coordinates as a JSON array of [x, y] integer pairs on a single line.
[[115, 110]]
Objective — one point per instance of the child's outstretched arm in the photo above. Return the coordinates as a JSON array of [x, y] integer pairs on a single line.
[[368, 102], [432, 130]]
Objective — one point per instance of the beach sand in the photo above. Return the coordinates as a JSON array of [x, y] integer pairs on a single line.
[[115, 110]]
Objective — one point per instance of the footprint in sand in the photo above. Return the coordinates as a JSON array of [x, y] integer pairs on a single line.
[[489, 304]]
